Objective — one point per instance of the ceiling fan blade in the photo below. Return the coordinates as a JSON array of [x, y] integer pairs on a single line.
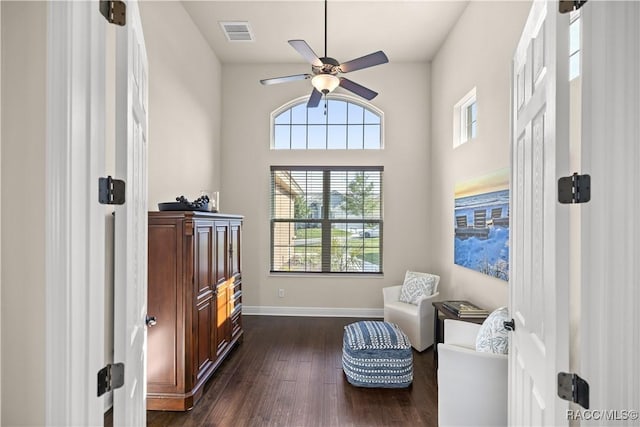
[[359, 90], [314, 99], [307, 53], [366, 61], [285, 79]]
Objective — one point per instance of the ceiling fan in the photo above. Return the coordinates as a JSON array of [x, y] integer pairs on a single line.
[[325, 71]]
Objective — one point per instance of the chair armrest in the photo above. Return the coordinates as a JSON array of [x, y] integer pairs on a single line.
[[468, 356], [460, 333], [425, 306], [391, 294]]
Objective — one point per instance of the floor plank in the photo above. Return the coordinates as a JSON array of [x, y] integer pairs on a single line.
[[288, 372]]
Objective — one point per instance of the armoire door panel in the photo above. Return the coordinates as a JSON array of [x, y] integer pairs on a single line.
[[163, 303], [235, 237], [222, 318], [222, 252], [203, 259], [204, 323]]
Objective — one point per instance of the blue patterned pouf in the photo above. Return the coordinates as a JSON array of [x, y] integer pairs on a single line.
[[377, 354]]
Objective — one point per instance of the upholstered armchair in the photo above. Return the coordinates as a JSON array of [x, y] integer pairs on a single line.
[[472, 385], [416, 320]]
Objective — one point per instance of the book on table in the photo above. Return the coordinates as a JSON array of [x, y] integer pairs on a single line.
[[465, 309]]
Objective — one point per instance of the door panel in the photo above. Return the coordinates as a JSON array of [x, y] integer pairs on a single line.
[[130, 260], [539, 258]]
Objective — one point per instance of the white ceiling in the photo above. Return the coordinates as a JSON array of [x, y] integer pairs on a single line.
[[407, 31]]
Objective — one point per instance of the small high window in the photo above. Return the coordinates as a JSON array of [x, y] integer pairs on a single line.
[[337, 124], [465, 119], [574, 45]]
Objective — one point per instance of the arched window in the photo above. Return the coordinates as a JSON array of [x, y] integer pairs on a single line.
[[338, 123]]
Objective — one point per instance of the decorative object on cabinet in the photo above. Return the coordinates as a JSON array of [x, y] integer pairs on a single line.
[[214, 198], [183, 204], [195, 293]]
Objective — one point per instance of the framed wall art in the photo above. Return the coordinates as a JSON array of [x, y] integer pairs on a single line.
[[481, 215]]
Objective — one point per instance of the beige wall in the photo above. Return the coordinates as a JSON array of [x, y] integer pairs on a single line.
[[24, 29], [184, 105], [404, 98], [478, 53]]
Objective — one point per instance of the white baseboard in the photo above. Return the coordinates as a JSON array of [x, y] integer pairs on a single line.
[[312, 311]]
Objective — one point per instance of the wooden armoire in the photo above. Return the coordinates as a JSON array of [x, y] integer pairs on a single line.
[[195, 294]]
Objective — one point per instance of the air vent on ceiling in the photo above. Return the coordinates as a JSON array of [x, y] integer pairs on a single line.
[[237, 31]]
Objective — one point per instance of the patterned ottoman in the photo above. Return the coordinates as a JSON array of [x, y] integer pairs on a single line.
[[377, 354]]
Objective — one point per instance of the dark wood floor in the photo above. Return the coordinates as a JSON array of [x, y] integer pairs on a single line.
[[288, 372]]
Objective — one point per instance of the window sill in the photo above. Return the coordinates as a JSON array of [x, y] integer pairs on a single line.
[[299, 274]]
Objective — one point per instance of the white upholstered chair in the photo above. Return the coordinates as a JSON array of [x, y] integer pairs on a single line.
[[415, 320], [472, 385]]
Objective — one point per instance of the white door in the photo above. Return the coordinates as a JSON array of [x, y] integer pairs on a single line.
[[610, 238], [73, 217], [130, 289], [539, 280]]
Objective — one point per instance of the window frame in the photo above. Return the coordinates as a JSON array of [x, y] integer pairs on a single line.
[[463, 125], [330, 97], [326, 221], [468, 130]]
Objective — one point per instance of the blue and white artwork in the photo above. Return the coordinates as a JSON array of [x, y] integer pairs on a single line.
[[482, 224]]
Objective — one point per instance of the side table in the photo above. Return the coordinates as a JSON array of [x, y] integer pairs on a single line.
[[440, 313]]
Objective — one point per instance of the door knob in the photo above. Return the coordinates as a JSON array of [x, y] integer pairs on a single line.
[[509, 325], [151, 321]]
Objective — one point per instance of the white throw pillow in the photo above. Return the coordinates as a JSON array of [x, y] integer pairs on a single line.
[[417, 286], [492, 336]]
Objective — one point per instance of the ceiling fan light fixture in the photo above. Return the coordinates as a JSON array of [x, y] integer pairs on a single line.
[[325, 83]]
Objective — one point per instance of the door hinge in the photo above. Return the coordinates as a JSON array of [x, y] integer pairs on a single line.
[[574, 189], [573, 388], [115, 11], [111, 191], [110, 378], [566, 6]]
